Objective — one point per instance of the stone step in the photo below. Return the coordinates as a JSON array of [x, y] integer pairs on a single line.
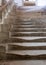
[[33, 23], [29, 30], [27, 46], [28, 26], [17, 23], [26, 59], [33, 20], [42, 30], [22, 22], [30, 38], [17, 47], [19, 40], [30, 34], [27, 52]]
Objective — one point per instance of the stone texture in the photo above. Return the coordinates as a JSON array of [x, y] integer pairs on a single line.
[[25, 62]]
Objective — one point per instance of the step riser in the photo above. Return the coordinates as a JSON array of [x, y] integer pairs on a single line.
[[27, 23], [28, 32], [32, 34], [29, 35], [31, 21], [15, 47], [28, 27], [38, 30], [17, 23], [25, 57]]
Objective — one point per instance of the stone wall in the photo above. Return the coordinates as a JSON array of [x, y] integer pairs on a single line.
[[4, 32]]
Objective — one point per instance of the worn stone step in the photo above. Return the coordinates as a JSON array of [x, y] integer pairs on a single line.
[[29, 26], [19, 40], [27, 59], [31, 21], [30, 34], [12, 47], [17, 23], [29, 30], [27, 22], [24, 23], [27, 52], [29, 38], [27, 46]]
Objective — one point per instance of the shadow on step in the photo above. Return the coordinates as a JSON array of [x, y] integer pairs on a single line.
[[17, 40], [25, 57], [17, 47]]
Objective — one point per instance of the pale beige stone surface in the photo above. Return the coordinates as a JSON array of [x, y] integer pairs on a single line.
[[28, 62]]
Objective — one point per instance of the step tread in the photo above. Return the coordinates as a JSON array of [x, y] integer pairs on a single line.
[[29, 28], [28, 25], [27, 32], [29, 38], [29, 44], [27, 52]]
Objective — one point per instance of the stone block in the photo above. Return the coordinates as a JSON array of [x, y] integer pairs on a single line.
[[3, 36]]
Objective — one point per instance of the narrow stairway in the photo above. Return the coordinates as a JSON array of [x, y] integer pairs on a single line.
[[27, 40]]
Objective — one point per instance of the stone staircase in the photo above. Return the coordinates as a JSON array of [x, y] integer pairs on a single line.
[[27, 39]]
